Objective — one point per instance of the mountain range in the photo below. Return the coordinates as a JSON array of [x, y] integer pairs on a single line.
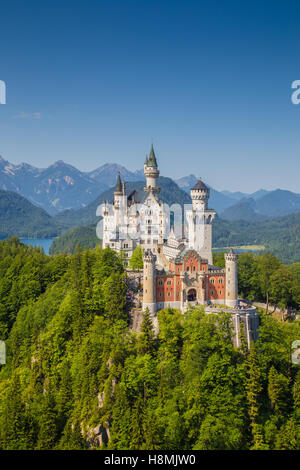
[[62, 187], [271, 204], [56, 188], [22, 218], [250, 207], [19, 217]]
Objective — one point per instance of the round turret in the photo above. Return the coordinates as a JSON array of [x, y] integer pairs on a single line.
[[200, 195], [151, 171], [149, 285], [231, 273]]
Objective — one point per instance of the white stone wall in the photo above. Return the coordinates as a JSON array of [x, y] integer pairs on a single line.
[[231, 276], [200, 233]]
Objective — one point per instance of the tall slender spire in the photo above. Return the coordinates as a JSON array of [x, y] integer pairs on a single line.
[[151, 172], [152, 159], [118, 188]]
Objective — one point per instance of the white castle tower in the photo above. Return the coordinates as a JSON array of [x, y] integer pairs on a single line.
[[149, 286], [199, 220], [151, 172], [231, 270]]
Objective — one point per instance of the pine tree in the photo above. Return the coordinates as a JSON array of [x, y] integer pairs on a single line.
[[288, 437], [72, 438], [278, 390], [146, 340], [121, 420], [17, 434], [47, 423], [113, 292], [253, 388], [77, 442], [136, 425], [65, 395]]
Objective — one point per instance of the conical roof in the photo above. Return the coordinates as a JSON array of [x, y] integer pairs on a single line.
[[119, 184], [200, 185], [152, 159]]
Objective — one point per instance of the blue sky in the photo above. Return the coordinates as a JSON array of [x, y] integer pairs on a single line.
[[91, 82]]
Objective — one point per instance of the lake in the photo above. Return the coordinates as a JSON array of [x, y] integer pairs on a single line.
[[241, 250], [44, 243]]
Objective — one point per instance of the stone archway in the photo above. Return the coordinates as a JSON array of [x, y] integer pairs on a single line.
[[192, 295]]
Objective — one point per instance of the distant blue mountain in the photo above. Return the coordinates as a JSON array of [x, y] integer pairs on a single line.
[[272, 204], [238, 195], [56, 188], [63, 187]]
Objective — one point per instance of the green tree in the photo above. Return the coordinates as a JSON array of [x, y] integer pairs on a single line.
[[247, 277], [146, 340], [16, 431], [266, 265], [288, 436], [47, 424], [281, 287], [278, 391], [136, 425], [254, 388], [72, 438], [113, 294], [295, 287], [136, 260]]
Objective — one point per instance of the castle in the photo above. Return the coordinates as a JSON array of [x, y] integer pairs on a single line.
[[140, 218], [178, 267]]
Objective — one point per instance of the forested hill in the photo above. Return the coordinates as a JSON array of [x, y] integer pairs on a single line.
[[67, 242], [76, 376], [19, 217], [280, 235], [170, 193]]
